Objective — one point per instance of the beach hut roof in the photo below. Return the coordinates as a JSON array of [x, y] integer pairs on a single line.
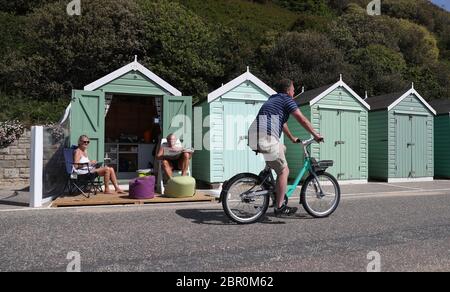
[[133, 66], [312, 97], [247, 76], [389, 101]]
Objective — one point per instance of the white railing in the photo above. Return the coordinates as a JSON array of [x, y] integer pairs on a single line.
[[36, 166]]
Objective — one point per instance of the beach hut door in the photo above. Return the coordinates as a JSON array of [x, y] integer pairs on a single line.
[[404, 146], [419, 147], [87, 117], [177, 118]]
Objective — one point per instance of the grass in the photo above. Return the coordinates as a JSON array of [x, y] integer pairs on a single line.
[[251, 20], [30, 111]]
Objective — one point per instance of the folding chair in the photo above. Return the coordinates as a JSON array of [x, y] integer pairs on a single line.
[[86, 184], [160, 175]]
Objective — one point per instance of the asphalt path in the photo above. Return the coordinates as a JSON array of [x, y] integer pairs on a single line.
[[406, 228]]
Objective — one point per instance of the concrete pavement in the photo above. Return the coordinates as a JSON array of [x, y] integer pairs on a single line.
[[19, 198], [410, 232]]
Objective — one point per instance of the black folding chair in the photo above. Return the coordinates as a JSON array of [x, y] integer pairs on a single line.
[[85, 184]]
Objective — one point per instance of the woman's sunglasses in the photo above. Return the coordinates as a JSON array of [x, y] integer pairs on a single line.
[[85, 142]]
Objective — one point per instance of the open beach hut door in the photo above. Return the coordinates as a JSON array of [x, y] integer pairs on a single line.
[[177, 118], [88, 118]]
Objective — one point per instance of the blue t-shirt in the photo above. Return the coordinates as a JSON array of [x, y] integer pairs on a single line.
[[274, 114]]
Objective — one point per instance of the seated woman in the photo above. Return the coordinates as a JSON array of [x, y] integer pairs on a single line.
[[81, 156], [174, 157]]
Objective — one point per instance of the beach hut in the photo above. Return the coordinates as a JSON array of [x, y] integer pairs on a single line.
[[441, 138], [221, 145], [341, 116], [125, 113], [401, 137]]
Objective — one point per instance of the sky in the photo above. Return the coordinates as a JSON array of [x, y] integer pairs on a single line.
[[442, 3]]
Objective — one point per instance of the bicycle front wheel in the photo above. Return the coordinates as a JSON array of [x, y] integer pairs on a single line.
[[244, 199], [320, 197]]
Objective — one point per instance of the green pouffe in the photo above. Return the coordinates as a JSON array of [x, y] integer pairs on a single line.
[[180, 187]]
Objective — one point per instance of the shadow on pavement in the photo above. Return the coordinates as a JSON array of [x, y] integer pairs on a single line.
[[18, 198], [205, 216], [218, 217], [12, 203]]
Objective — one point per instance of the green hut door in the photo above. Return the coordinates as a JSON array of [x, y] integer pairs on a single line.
[[404, 146], [177, 118], [342, 142], [419, 150], [411, 131], [256, 163], [238, 157], [330, 129], [350, 145], [87, 117], [235, 152]]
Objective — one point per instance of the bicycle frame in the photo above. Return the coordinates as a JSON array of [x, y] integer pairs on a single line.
[[306, 167], [263, 187]]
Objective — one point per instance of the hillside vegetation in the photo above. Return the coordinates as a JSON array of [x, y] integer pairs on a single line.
[[198, 44]]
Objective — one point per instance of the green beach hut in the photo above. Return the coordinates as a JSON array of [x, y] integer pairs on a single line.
[[221, 145], [401, 134], [124, 114], [441, 138], [341, 116]]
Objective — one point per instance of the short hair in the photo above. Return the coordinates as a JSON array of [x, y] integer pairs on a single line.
[[170, 135], [81, 138], [283, 85]]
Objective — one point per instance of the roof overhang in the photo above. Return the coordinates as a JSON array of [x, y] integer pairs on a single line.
[[338, 84], [408, 93], [247, 76], [134, 66]]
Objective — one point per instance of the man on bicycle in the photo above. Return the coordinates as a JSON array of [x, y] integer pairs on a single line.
[[265, 133]]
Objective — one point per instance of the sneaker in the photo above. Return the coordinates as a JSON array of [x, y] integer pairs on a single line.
[[285, 210]]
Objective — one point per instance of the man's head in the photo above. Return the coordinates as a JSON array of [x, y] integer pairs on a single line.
[[286, 86], [171, 140]]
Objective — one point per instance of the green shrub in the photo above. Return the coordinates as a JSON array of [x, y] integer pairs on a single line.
[[31, 111]]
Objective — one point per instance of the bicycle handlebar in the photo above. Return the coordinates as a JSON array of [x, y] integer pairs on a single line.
[[308, 142]]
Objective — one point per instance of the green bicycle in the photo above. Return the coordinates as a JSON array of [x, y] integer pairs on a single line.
[[246, 197]]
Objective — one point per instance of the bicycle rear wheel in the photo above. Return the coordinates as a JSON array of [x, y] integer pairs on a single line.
[[316, 203], [244, 199]]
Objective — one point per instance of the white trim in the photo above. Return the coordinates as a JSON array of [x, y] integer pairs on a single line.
[[353, 182], [408, 93], [36, 166], [401, 180], [49, 200], [344, 108], [411, 113], [66, 114], [247, 76], [342, 182], [134, 66], [340, 83]]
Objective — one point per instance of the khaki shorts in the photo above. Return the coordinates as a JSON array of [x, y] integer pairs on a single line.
[[274, 153]]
